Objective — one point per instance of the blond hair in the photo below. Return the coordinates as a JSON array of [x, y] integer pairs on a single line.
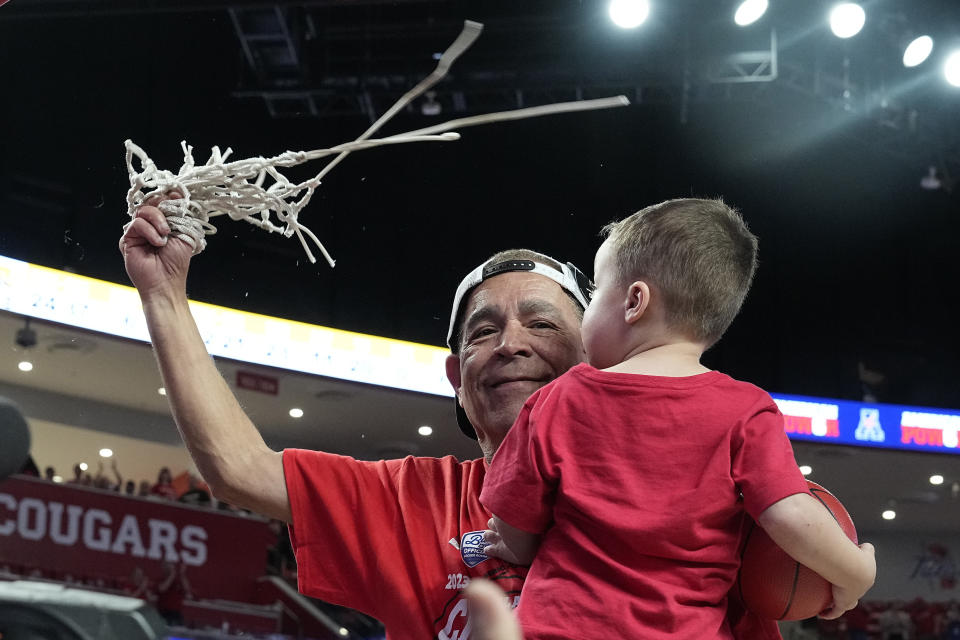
[[700, 256]]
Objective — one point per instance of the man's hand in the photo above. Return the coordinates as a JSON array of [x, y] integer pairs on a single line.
[[490, 612], [846, 599], [153, 258], [509, 543]]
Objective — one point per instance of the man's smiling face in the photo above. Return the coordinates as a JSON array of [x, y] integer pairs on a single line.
[[520, 331]]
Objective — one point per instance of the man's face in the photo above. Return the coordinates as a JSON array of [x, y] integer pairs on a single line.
[[520, 331]]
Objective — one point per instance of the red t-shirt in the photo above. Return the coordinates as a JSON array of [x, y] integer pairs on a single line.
[[636, 482], [396, 539]]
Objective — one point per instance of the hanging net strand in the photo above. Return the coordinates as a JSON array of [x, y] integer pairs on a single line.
[[255, 191]]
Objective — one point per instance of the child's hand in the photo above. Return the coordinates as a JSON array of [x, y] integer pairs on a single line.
[[845, 598], [496, 548], [508, 543]]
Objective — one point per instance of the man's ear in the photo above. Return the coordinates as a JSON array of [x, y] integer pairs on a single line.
[[453, 372], [638, 299]]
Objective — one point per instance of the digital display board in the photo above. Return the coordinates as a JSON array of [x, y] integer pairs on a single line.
[[863, 424]]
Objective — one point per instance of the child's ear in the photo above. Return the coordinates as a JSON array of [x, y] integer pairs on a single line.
[[638, 298]]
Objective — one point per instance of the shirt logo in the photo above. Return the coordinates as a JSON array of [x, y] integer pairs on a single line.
[[472, 545]]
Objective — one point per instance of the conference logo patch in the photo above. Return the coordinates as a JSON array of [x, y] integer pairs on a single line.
[[472, 545]]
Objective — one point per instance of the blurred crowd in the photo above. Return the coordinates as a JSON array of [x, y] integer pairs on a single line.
[[898, 620], [186, 488]]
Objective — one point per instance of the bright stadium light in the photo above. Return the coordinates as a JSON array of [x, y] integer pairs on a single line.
[[951, 69], [750, 11], [917, 51], [628, 14], [846, 19]]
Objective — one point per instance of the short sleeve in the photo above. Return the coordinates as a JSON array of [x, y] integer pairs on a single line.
[[520, 485], [764, 466], [336, 503]]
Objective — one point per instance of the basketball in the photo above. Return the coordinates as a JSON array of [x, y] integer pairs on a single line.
[[772, 584]]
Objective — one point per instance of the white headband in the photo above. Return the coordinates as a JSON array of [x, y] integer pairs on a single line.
[[569, 277]]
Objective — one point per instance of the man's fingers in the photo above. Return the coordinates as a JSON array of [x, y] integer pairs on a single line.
[[490, 612], [155, 217], [141, 228], [156, 198]]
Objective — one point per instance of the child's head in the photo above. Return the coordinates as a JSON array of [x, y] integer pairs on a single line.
[[696, 256]]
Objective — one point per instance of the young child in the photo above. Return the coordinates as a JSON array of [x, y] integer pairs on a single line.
[[634, 473]]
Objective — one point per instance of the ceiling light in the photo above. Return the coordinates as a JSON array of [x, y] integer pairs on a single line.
[[296, 413], [162, 391], [936, 479], [106, 453], [806, 469], [425, 430], [889, 514], [25, 365], [83, 466], [951, 69], [58, 478], [917, 51], [847, 19], [628, 14], [750, 11]]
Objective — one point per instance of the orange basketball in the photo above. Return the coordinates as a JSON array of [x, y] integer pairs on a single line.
[[774, 585]]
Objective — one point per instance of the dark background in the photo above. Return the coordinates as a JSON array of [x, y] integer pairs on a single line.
[[858, 264]]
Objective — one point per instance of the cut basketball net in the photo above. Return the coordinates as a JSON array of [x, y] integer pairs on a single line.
[[236, 189]]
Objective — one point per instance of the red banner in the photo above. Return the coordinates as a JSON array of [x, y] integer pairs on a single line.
[[70, 532]]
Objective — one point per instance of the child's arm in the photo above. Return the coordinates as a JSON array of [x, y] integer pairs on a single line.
[[509, 543], [802, 527]]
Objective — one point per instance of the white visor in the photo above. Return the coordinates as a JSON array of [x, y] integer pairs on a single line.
[[570, 278]]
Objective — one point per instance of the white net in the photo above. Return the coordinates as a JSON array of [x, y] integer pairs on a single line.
[[254, 190]]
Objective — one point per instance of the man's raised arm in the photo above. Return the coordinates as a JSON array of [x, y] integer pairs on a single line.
[[225, 445]]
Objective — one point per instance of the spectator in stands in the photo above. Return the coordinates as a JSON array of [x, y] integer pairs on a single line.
[[101, 481], [172, 590], [164, 486], [138, 585], [895, 623], [858, 622], [925, 619], [280, 557], [30, 468], [130, 488], [144, 490], [196, 494], [951, 629], [49, 474], [77, 475]]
